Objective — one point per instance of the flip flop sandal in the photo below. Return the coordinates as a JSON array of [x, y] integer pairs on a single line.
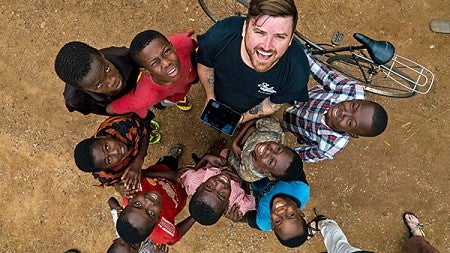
[[416, 225], [184, 104], [440, 26], [176, 151], [155, 137], [154, 125], [313, 230]]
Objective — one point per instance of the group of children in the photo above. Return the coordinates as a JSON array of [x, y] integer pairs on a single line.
[[257, 179]]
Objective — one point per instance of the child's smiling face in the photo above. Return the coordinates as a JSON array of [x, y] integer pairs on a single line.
[[272, 158], [160, 60], [286, 218], [216, 192], [353, 117]]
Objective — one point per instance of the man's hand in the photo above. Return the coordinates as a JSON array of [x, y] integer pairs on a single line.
[[234, 214]]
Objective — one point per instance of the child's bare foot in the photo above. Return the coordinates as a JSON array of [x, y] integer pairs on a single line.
[[114, 204], [413, 224]]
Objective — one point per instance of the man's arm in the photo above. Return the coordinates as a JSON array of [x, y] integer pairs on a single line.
[[266, 107], [206, 77]]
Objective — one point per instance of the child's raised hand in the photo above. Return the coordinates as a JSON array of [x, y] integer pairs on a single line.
[[132, 177], [234, 214], [123, 191]]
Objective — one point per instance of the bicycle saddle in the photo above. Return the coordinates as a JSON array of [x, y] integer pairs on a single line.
[[380, 51]]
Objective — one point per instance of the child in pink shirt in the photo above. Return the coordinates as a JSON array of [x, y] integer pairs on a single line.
[[167, 72], [214, 190]]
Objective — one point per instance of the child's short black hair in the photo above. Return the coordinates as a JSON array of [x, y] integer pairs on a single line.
[[83, 155], [141, 40], [294, 172], [379, 120], [201, 212], [296, 240], [73, 62], [128, 232]]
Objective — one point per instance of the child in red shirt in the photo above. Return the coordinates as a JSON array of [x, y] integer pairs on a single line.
[[166, 74], [151, 211]]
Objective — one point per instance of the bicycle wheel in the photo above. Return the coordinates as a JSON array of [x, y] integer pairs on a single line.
[[220, 9], [396, 85]]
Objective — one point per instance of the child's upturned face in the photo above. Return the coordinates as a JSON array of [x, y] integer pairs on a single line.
[[108, 152], [272, 158], [353, 117], [216, 192], [286, 218], [103, 78], [160, 60], [144, 209]]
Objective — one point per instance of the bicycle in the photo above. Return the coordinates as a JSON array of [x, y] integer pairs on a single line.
[[372, 63]]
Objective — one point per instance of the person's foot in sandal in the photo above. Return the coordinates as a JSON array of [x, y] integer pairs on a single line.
[[315, 224], [155, 137], [184, 104], [413, 224], [176, 151]]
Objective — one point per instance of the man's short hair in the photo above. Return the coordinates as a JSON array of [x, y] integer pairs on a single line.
[[73, 62], [128, 232], [84, 158], [294, 172], [379, 120], [274, 8], [141, 40], [201, 212]]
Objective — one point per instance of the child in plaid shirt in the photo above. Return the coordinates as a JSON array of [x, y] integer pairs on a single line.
[[335, 112]]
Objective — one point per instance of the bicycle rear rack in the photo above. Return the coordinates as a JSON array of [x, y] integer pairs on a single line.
[[421, 77]]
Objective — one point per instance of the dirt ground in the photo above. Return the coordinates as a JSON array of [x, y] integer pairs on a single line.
[[48, 205]]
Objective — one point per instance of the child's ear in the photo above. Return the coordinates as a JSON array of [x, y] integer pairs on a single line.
[[146, 72], [269, 176], [353, 135]]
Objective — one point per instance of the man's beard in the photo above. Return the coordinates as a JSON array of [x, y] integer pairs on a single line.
[[257, 64]]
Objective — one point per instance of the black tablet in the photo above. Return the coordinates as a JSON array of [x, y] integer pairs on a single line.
[[221, 116]]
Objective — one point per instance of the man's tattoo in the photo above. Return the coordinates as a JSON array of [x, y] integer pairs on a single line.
[[210, 80], [257, 109]]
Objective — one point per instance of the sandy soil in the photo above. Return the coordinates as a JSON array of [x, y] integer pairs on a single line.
[[48, 205]]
